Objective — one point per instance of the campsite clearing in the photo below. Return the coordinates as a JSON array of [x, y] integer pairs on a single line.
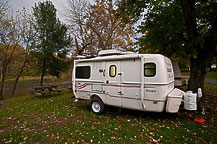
[[56, 118]]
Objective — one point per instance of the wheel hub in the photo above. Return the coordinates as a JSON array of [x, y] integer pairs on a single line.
[[96, 106]]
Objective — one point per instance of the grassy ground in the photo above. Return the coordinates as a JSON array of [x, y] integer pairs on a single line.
[[209, 75], [57, 119], [210, 88]]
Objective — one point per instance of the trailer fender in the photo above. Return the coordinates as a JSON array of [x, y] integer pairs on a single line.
[[97, 106], [96, 96]]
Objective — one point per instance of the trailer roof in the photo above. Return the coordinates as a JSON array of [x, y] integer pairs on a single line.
[[121, 57]]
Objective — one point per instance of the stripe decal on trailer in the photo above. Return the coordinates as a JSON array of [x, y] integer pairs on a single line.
[[81, 86], [126, 86]]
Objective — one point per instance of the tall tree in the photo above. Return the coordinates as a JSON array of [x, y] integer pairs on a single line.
[[51, 40], [25, 27], [110, 31], [95, 27], [9, 40], [76, 16], [180, 28]]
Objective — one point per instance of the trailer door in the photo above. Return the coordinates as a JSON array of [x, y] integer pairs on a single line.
[[112, 83]]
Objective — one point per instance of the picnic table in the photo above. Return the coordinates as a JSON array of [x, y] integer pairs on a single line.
[[42, 90]]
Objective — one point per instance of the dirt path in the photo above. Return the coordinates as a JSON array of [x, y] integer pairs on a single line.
[[31, 78], [211, 81]]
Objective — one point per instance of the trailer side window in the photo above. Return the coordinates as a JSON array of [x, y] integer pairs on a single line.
[[150, 69], [112, 71], [83, 72]]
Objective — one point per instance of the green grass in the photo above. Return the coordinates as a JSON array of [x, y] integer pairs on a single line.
[[185, 73], [210, 88], [208, 85], [57, 119], [209, 75]]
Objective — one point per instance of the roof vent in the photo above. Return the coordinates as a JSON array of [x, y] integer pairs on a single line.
[[109, 52], [113, 52], [127, 52]]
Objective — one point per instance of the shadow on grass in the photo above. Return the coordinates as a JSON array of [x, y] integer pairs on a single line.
[[145, 115], [116, 111], [182, 115], [207, 101], [49, 95]]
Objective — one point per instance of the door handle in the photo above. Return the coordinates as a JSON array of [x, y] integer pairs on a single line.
[[107, 82], [120, 73], [120, 93]]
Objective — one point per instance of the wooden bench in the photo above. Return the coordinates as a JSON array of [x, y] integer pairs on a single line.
[[40, 91], [45, 89], [70, 89], [56, 90], [44, 92]]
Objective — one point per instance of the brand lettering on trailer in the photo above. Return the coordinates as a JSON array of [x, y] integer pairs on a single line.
[[150, 90]]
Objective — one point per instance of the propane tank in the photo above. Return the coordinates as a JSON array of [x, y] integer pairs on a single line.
[[199, 93], [190, 101], [199, 117]]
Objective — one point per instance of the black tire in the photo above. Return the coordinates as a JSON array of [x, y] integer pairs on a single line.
[[97, 106]]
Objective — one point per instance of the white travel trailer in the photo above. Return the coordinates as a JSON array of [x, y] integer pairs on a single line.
[[128, 80]]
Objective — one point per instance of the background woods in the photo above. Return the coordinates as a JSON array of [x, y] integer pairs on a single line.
[[9, 41], [27, 43], [95, 27], [38, 43]]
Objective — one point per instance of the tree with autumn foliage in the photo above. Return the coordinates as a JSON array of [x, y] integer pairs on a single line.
[[110, 31], [76, 17], [26, 32], [98, 27], [180, 28], [9, 41]]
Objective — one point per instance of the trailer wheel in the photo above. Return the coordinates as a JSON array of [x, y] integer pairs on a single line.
[[97, 106]]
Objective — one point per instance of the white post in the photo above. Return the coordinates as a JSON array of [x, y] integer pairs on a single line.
[[73, 77], [142, 81]]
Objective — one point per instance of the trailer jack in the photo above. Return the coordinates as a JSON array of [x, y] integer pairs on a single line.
[[200, 115], [200, 111]]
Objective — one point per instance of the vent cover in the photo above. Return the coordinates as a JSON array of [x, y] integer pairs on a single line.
[[109, 52], [113, 52]]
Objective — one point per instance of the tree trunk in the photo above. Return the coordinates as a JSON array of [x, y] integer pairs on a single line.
[[43, 73], [2, 84], [17, 79], [42, 78], [205, 53], [200, 65], [198, 73]]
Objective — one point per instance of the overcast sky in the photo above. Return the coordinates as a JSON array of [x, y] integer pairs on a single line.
[[16, 5]]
